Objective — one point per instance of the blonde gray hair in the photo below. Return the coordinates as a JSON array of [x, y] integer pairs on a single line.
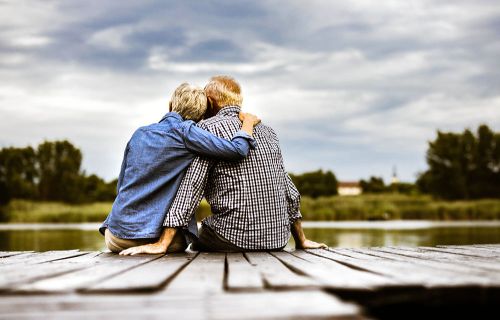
[[225, 90], [189, 101]]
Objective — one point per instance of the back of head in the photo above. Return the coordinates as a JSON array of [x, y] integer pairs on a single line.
[[224, 90], [189, 101]]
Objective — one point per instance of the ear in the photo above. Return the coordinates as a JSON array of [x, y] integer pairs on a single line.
[[211, 108], [170, 106]]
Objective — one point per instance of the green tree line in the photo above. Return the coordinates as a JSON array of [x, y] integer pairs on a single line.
[[377, 185], [316, 183], [463, 165], [51, 172]]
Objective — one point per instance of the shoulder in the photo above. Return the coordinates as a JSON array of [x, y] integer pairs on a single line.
[[141, 131], [266, 130], [185, 125], [160, 129], [217, 121]]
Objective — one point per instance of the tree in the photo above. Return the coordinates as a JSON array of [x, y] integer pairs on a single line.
[[316, 183], [51, 172], [59, 170], [18, 172], [96, 189], [4, 194], [373, 185], [463, 165]]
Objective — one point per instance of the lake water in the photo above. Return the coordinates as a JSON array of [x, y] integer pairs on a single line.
[[42, 237]]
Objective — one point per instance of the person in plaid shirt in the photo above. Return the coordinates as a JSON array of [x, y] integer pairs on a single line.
[[254, 202]]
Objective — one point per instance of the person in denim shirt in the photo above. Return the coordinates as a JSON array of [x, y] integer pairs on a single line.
[[154, 163]]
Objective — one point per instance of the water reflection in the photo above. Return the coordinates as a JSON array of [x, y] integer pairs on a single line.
[[85, 237], [420, 237], [43, 240]]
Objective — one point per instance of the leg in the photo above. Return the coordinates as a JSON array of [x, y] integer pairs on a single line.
[[115, 244], [210, 241]]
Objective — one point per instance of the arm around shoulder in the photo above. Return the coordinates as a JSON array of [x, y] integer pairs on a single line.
[[204, 143]]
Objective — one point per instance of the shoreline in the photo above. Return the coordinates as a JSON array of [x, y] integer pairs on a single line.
[[353, 224]]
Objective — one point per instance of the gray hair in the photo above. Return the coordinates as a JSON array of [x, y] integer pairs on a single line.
[[189, 101]]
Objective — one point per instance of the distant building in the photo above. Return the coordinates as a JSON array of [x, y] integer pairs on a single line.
[[394, 179], [349, 188]]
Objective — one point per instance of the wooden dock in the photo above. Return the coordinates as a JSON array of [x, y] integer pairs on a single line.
[[338, 283]]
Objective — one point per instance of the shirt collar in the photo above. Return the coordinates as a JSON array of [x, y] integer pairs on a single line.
[[229, 111], [173, 115]]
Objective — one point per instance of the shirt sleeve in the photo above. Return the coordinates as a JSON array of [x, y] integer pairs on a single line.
[[204, 143], [122, 169], [293, 200], [189, 194], [291, 192]]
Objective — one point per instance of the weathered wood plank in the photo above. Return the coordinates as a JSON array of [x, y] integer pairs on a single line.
[[5, 254], [16, 275], [276, 275], [467, 252], [241, 275], [35, 258], [311, 304], [107, 265], [472, 262], [338, 276], [466, 274], [356, 255], [146, 277], [204, 275], [171, 286], [488, 246], [407, 273], [322, 275], [18, 258]]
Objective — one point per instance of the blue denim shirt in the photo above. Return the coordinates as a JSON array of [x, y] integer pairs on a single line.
[[154, 163]]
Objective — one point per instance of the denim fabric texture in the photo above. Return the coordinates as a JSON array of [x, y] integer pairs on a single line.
[[154, 163]]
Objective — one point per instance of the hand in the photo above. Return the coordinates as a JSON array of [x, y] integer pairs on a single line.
[[309, 244], [152, 248], [249, 118]]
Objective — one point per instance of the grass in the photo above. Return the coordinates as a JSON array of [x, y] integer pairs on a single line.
[[397, 206], [364, 207], [19, 211]]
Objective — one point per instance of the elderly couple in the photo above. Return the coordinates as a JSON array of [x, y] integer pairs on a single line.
[[229, 158]]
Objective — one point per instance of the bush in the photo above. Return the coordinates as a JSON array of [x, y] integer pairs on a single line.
[[396, 206]]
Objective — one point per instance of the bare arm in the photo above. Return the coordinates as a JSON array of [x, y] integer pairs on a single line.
[[301, 242], [158, 247]]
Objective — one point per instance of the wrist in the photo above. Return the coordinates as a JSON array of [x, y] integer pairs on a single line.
[[161, 244], [299, 245]]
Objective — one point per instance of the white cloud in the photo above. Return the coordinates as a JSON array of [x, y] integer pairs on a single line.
[[351, 86]]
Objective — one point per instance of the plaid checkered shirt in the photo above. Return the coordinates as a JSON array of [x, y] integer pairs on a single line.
[[253, 201]]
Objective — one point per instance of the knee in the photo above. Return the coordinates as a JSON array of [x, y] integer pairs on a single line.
[[110, 244]]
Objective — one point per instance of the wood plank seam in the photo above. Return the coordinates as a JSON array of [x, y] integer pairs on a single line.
[[90, 284], [345, 263], [91, 289], [451, 250], [176, 273]]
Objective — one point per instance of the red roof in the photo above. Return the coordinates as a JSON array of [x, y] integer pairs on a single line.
[[349, 184]]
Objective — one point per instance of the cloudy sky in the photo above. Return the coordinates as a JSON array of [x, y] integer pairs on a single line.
[[351, 86]]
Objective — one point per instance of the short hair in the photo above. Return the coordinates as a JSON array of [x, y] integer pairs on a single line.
[[225, 90], [189, 101]]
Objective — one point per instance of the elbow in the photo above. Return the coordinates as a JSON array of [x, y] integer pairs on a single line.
[[242, 153], [238, 154]]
